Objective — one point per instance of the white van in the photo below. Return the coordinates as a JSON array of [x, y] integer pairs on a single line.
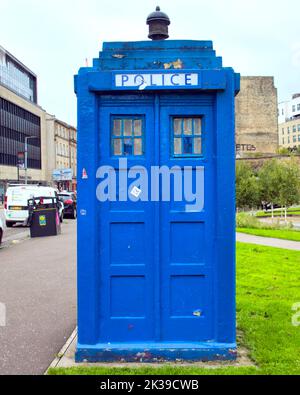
[[16, 202]]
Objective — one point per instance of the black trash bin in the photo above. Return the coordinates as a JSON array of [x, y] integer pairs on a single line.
[[44, 216]]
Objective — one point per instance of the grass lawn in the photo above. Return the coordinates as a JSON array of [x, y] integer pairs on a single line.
[[285, 234], [291, 211], [267, 287]]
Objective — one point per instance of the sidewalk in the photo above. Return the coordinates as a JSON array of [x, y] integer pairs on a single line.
[[38, 289], [269, 242]]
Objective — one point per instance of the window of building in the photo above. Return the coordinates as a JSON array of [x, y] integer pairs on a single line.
[[288, 129], [299, 137], [282, 130], [298, 107], [282, 141], [17, 123], [187, 137], [294, 108], [294, 129], [294, 139], [127, 136], [298, 127]]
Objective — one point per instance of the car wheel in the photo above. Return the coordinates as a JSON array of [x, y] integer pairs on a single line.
[[74, 216], [9, 224], [1, 234], [61, 218]]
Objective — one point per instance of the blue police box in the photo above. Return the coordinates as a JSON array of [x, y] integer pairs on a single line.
[[156, 202]]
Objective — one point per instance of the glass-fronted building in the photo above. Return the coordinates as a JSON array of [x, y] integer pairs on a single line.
[[15, 124], [20, 117], [17, 77]]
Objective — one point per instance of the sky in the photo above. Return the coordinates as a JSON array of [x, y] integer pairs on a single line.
[[55, 37]]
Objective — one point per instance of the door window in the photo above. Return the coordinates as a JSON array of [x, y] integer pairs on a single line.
[[186, 136], [127, 136]]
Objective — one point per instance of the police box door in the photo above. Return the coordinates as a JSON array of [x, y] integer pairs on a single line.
[[155, 255], [187, 221], [126, 223]]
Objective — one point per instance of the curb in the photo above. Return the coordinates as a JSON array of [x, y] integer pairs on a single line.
[[62, 352]]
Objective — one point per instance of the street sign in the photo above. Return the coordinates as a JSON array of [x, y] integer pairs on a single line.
[[62, 175], [21, 160]]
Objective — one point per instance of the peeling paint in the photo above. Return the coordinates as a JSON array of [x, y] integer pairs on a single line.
[[178, 64], [119, 56]]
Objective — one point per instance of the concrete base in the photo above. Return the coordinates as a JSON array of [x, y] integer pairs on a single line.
[[156, 352], [66, 359]]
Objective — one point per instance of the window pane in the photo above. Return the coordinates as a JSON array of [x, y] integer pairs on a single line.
[[138, 127], [177, 146], [197, 146], [138, 147], [127, 127], [117, 147], [197, 126], [187, 145], [117, 127], [188, 126], [128, 147], [177, 126]]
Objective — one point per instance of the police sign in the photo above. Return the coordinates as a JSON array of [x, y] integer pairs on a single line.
[[156, 80]]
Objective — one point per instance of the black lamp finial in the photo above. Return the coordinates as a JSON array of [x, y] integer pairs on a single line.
[[158, 25]]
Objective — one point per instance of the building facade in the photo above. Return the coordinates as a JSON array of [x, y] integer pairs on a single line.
[[290, 109], [289, 123], [256, 117], [17, 77], [52, 143], [62, 153], [20, 117]]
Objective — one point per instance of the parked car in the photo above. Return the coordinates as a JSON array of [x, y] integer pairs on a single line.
[[70, 204], [16, 202], [1, 230], [266, 206]]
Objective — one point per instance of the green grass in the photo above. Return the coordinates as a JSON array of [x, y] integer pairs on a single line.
[[267, 287], [293, 235], [278, 213]]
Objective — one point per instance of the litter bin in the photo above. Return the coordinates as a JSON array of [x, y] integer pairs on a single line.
[[44, 217]]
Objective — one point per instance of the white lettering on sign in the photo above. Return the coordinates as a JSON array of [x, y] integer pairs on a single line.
[[142, 81]]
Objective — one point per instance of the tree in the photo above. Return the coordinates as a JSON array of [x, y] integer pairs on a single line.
[[247, 187], [280, 183], [269, 177], [289, 184]]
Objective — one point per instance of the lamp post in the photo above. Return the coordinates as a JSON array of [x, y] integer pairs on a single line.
[[26, 155]]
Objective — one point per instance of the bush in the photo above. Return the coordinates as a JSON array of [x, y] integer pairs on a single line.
[[244, 220]]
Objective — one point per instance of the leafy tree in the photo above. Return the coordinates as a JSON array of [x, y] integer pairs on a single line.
[[289, 184], [269, 176], [283, 151], [280, 183], [247, 187]]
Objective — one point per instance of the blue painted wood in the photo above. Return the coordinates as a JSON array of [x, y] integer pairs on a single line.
[[155, 281]]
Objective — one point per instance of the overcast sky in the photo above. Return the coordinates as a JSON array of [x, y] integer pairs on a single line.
[[54, 37]]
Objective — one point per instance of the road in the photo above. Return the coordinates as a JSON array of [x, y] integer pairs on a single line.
[[38, 290]]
